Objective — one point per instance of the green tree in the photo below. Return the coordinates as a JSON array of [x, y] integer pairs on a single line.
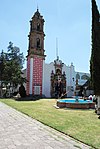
[[95, 53], [12, 64], [2, 65]]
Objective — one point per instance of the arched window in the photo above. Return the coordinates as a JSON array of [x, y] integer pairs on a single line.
[[85, 77], [38, 26], [38, 43]]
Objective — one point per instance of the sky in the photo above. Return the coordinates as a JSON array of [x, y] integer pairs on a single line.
[[66, 21]]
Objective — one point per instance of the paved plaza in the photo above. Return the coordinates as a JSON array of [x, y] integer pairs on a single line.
[[18, 131]]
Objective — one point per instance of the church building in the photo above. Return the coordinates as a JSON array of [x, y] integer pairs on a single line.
[[42, 77]]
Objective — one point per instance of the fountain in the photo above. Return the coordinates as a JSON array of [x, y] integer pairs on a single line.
[[75, 103]]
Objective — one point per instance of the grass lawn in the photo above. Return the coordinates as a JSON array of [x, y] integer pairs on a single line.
[[83, 125]]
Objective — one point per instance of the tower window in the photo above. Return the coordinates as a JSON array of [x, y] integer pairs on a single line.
[[38, 26], [38, 43]]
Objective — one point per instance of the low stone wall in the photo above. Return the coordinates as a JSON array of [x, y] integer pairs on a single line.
[[61, 104], [76, 105]]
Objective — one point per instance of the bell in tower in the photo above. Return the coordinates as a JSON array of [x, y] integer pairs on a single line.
[[35, 57]]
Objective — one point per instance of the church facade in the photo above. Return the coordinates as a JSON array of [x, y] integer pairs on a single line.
[[42, 77]]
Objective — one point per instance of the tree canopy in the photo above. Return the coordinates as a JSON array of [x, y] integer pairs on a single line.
[[95, 53], [11, 64]]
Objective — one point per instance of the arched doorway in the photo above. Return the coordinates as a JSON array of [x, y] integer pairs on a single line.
[[58, 80]]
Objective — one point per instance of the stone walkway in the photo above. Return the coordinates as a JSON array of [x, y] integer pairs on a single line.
[[18, 131]]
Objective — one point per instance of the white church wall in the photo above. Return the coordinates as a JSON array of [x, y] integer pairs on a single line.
[[47, 76], [70, 79], [70, 74]]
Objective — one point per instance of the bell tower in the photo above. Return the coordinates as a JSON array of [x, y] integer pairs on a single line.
[[35, 57]]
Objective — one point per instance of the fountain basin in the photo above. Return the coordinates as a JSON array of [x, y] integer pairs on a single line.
[[73, 104]]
